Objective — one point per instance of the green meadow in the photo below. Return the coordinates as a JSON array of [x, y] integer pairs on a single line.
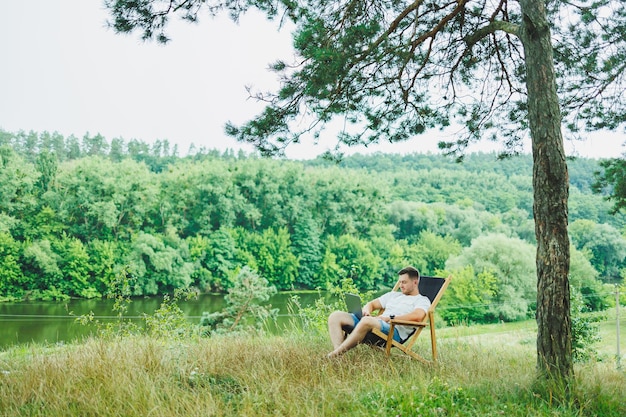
[[483, 370]]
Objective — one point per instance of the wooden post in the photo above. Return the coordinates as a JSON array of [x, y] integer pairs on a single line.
[[619, 356]]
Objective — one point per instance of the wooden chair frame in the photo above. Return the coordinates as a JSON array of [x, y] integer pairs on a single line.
[[429, 321]]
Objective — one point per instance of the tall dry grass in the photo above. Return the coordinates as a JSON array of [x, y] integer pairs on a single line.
[[289, 376]]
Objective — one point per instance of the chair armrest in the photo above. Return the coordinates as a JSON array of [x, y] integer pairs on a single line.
[[410, 323]]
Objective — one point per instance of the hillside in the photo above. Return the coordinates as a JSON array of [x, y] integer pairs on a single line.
[[77, 213]]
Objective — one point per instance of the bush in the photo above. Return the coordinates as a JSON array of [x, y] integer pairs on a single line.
[[244, 311], [167, 322], [585, 329]]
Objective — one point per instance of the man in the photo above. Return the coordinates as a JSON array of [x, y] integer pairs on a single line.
[[408, 304]]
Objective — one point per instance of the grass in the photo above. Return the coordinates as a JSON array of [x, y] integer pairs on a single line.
[[607, 348], [480, 373]]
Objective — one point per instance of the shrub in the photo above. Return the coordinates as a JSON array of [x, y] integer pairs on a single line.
[[585, 329], [243, 311]]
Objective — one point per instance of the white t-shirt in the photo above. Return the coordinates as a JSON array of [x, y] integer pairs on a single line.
[[396, 303]]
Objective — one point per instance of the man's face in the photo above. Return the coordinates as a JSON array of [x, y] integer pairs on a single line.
[[408, 285]]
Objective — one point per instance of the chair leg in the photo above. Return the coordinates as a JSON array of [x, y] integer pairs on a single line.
[[389, 340], [433, 339]]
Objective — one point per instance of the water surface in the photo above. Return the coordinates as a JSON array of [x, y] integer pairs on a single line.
[[55, 321]]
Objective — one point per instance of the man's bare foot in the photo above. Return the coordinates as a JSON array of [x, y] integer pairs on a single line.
[[333, 354]]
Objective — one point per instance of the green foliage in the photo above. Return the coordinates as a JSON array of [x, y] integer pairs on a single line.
[[435, 250], [11, 278], [329, 270], [40, 265], [244, 311], [105, 263], [168, 322], [120, 291], [220, 257], [303, 225], [411, 218], [199, 198], [74, 266], [160, 263], [362, 65], [585, 329], [270, 254], [393, 254], [103, 200], [45, 224], [270, 194], [348, 202], [314, 318], [611, 181], [17, 188], [355, 259], [605, 244], [512, 262], [307, 243], [584, 279], [456, 221], [47, 165], [470, 298]]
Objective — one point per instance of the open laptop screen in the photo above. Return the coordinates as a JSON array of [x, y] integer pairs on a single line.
[[353, 304]]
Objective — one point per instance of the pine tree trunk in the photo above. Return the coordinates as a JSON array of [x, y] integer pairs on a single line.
[[550, 184]]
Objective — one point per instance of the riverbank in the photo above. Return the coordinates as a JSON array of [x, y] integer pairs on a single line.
[[27, 322], [290, 376]]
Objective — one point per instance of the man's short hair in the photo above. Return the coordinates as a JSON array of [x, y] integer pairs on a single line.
[[411, 271]]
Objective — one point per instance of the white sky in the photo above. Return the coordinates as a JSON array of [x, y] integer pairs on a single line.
[[62, 70]]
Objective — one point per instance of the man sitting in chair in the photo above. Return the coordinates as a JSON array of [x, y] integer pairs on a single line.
[[408, 304]]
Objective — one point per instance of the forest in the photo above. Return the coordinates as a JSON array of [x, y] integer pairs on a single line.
[[77, 212]]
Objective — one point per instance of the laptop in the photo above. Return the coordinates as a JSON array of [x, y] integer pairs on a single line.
[[353, 304]]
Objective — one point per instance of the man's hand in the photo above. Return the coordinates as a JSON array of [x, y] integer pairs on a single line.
[[370, 307]]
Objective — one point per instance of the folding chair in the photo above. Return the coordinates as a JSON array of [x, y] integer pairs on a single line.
[[433, 288]]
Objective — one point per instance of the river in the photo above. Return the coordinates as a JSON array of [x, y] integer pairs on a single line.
[[55, 322]]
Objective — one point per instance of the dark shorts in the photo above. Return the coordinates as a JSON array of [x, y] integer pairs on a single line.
[[384, 327]]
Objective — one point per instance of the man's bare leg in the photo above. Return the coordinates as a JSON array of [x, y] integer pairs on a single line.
[[336, 323], [358, 334]]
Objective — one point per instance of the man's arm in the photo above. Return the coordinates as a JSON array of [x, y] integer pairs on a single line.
[[372, 306], [416, 315]]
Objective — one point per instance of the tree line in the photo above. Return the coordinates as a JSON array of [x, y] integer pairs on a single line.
[[74, 214]]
